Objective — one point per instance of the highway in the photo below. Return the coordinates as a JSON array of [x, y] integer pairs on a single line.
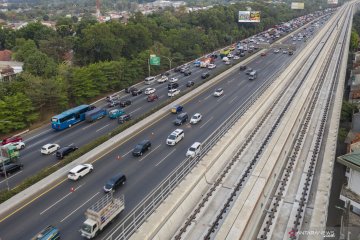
[[64, 208], [84, 132]]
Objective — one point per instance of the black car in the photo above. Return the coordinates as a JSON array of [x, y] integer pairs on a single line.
[[124, 103], [11, 168], [129, 90], [242, 67], [141, 148], [115, 182], [136, 92], [62, 152], [181, 118], [190, 84], [290, 53], [187, 73], [124, 118], [165, 74], [242, 54], [177, 69], [173, 85], [184, 69], [205, 75]]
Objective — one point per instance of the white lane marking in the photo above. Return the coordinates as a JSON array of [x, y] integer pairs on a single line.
[[79, 207], [233, 99], [208, 96], [206, 122], [60, 200], [135, 110], [230, 81], [9, 177], [127, 153], [102, 127], [149, 153], [87, 126], [219, 98], [165, 157], [28, 139]]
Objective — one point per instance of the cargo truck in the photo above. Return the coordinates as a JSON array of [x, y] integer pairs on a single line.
[[95, 114], [8, 154], [99, 215], [205, 62], [115, 113]]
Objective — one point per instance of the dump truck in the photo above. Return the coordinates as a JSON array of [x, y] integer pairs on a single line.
[[8, 154], [95, 114], [99, 215]]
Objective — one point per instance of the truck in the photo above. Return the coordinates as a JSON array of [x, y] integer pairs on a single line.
[[224, 53], [204, 62], [99, 215], [115, 113], [8, 154], [95, 114], [48, 233]]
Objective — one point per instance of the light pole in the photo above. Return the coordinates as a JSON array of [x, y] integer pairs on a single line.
[[169, 59], [345, 212]]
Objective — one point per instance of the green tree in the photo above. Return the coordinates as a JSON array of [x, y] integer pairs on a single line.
[[13, 120], [36, 32], [40, 64], [354, 40]]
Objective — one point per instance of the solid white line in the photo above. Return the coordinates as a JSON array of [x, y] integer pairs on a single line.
[[9, 177], [208, 97], [79, 207], [135, 110], [206, 122], [102, 127], [60, 200], [28, 139], [233, 99], [165, 157], [149, 153]]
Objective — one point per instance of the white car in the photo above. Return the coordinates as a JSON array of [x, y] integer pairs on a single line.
[[162, 79], [194, 150], [276, 51], [50, 148], [236, 57], [196, 118], [18, 145], [149, 91], [285, 51], [230, 55], [218, 92], [79, 171], [227, 63], [211, 66], [173, 79], [173, 92]]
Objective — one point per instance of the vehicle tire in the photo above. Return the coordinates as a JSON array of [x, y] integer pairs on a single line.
[[69, 125], [141, 153]]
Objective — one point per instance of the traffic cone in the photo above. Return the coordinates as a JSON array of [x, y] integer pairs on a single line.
[[72, 189]]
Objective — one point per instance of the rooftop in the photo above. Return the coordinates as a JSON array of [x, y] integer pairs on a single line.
[[351, 160]]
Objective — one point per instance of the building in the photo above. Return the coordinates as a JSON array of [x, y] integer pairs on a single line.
[[9, 70]]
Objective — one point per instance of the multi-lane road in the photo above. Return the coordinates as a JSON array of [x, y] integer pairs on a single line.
[[64, 208]]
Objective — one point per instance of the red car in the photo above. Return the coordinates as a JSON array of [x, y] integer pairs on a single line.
[[152, 97], [263, 54], [11, 140]]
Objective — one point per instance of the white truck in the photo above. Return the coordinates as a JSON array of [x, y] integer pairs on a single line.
[[101, 214]]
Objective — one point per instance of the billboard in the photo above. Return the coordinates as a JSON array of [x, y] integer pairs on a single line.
[[249, 16], [297, 5], [333, 2]]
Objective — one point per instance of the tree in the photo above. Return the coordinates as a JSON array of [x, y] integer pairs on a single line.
[[36, 32], [40, 64], [13, 120], [24, 48], [354, 40]]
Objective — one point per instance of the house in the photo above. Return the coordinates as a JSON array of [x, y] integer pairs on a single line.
[[9, 70]]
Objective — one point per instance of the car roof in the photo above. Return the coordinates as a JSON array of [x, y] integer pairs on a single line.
[[49, 144], [176, 131], [144, 141], [195, 144], [77, 168]]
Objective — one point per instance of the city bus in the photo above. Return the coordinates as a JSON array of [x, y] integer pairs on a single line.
[[48, 233], [70, 117]]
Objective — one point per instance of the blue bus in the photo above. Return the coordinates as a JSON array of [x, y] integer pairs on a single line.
[[70, 117], [48, 233]]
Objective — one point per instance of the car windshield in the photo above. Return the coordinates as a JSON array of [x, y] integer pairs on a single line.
[[109, 185], [54, 120], [138, 148], [192, 149], [172, 137]]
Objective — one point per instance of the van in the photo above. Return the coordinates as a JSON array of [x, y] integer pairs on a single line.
[[252, 75], [149, 80], [194, 150], [175, 137], [181, 118], [115, 182]]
